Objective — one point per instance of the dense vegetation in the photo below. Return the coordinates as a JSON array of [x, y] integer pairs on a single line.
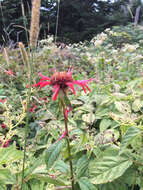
[[77, 21], [105, 126]]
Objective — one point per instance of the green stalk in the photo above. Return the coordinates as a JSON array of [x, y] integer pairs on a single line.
[[26, 132], [28, 103], [69, 149], [27, 120]]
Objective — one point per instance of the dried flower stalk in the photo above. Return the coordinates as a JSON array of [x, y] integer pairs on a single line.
[[5, 55], [34, 28], [25, 57]]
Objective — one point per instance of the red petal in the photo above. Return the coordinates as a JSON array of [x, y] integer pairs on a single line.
[[87, 87], [43, 77], [45, 83], [71, 86], [42, 83], [80, 84], [56, 90]]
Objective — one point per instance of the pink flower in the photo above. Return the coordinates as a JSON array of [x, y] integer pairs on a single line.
[[33, 108], [61, 81], [3, 126], [9, 72], [53, 176], [4, 100], [6, 144]]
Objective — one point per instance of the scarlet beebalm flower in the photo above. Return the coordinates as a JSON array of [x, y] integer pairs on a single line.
[[61, 81]]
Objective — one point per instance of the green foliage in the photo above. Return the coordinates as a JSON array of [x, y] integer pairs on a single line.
[[105, 126], [52, 153], [109, 168], [128, 137], [85, 184], [10, 155], [124, 34]]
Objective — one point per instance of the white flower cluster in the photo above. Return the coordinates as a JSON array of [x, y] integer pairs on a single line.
[[48, 41], [130, 48], [99, 39]]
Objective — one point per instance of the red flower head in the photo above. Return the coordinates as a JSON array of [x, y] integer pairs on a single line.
[[61, 81]]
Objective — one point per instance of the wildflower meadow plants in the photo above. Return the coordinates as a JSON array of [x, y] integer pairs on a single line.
[[71, 137], [62, 82]]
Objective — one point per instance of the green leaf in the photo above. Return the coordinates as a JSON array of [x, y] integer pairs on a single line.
[[137, 105], [129, 176], [116, 184], [52, 153], [2, 186], [104, 124], [130, 134], [34, 165], [9, 155], [109, 168], [6, 177], [47, 179], [82, 167], [85, 184], [89, 118], [122, 107], [25, 186], [36, 184], [62, 167]]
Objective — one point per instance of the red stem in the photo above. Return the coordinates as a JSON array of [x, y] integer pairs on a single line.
[[69, 149]]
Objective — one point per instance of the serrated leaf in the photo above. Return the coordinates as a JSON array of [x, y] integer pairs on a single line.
[[62, 166], [131, 133], [35, 163], [47, 179], [82, 167], [109, 168], [53, 152], [9, 155], [85, 184]]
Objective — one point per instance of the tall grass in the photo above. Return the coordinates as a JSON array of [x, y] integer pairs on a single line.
[[34, 32]]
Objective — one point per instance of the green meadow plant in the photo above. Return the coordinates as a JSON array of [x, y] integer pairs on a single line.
[[61, 82]]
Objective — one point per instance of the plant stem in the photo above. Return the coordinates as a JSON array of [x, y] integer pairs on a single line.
[[69, 148], [27, 120]]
